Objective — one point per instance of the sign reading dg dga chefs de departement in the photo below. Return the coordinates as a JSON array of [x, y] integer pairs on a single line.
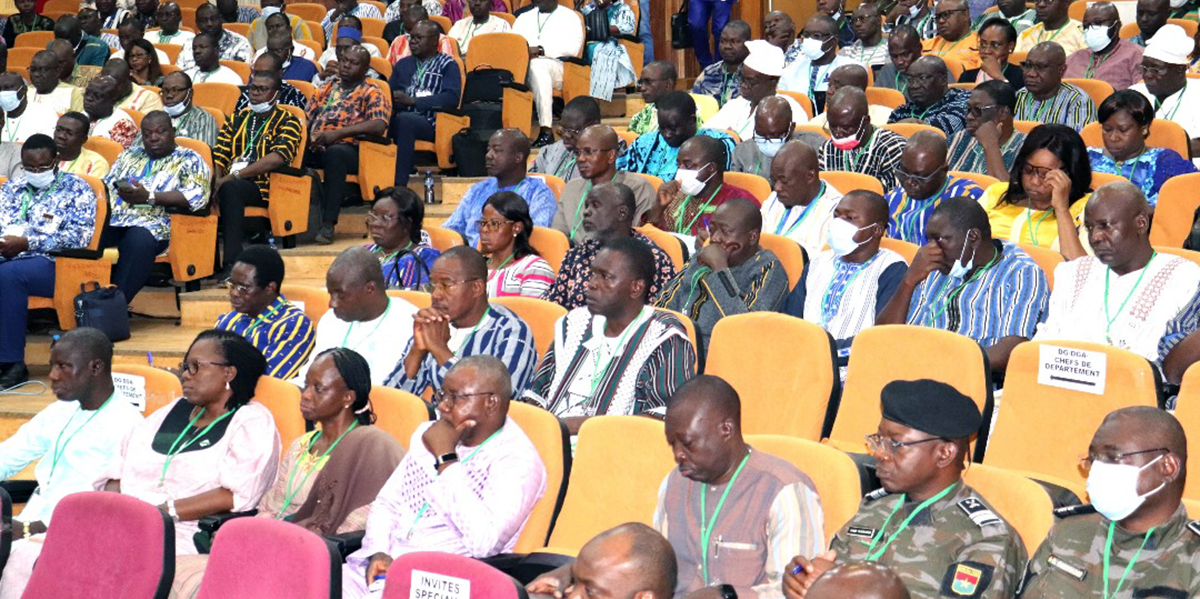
[[1071, 368]]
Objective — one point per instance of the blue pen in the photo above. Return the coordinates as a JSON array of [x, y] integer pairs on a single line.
[[797, 570], [150, 359]]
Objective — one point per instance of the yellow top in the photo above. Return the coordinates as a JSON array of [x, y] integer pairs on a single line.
[[88, 163], [1069, 36], [965, 50], [1018, 224]]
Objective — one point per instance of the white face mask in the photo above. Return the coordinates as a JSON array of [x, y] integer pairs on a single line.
[[1096, 37], [770, 147], [9, 100], [177, 109], [265, 106], [851, 142], [1178, 3], [689, 180], [41, 180], [841, 234], [914, 10], [1113, 489], [959, 270], [812, 49], [270, 10]]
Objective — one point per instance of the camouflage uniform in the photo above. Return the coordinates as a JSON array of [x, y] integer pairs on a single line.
[[1070, 562], [956, 547]]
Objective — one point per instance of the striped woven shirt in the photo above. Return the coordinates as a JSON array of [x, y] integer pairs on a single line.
[[878, 157], [282, 333], [1007, 299], [1068, 106], [908, 216], [501, 334], [248, 137], [948, 114]]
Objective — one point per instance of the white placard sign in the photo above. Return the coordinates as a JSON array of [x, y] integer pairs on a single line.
[[131, 387], [1070, 368], [427, 585], [297, 303]]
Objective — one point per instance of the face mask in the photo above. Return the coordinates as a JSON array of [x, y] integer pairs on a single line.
[[265, 106], [1096, 37], [914, 10], [769, 147], [270, 10], [851, 142], [841, 236], [1178, 3], [9, 100], [177, 109], [689, 180], [1113, 489], [959, 270], [40, 180], [812, 49]]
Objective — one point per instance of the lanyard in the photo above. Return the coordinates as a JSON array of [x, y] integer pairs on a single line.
[[261, 318], [1033, 227], [579, 209], [421, 68], [949, 295], [147, 169], [249, 147], [472, 28], [541, 23], [828, 314], [1091, 69], [1132, 169], [70, 166], [917, 222], [289, 492], [803, 214], [858, 156], [12, 127], [497, 270], [1044, 108], [597, 374], [683, 207], [425, 505], [172, 452], [59, 449], [565, 166], [1056, 31], [942, 50], [471, 333], [1108, 551], [707, 524], [725, 78], [874, 557], [1110, 318], [377, 324]]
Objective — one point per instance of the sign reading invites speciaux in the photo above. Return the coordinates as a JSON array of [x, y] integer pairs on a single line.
[[427, 585], [1071, 368]]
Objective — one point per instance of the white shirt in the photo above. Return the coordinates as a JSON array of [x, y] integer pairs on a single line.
[[380, 341], [222, 74], [1182, 108], [602, 351], [180, 38], [808, 228], [86, 442], [37, 118], [58, 99], [305, 52], [737, 116], [162, 56], [465, 29], [559, 33], [330, 53], [798, 75], [1152, 296]]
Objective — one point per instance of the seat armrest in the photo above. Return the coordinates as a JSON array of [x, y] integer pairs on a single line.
[[205, 211], [291, 171], [347, 542], [521, 87], [81, 253], [19, 490], [450, 111], [575, 60], [375, 139], [212, 522]]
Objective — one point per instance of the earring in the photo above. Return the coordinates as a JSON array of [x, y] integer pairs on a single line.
[[227, 387]]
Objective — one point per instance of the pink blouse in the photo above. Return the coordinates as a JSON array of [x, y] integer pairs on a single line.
[[530, 276]]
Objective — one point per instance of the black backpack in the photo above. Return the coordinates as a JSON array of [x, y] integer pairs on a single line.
[[485, 84]]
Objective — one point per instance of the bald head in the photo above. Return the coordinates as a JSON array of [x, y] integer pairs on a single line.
[[357, 266], [1048, 52], [490, 372], [1157, 428], [797, 156], [707, 394], [631, 560], [741, 212], [1101, 10], [1159, 447], [847, 108], [847, 75], [863, 580], [773, 120], [873, 206], [602, 136], [1122, 196], [927, 144]]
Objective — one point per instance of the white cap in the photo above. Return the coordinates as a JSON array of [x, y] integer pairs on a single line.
[[1171, 45], [765, 57]]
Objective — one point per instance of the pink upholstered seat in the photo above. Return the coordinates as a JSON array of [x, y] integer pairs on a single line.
[[485, 581], [262, 557]]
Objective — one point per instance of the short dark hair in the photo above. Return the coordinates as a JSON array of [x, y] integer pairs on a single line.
[[267, 263], [40, 141], [1000, 92], [639, 259], [211, 37], [272, 76], [1065, 143], [92, 344], [1010, 32], [964, 213], [78, 117], [243, 356], [1134, 103], [740, 27], [668, 69], [677, 101], [586, 107], [513, 207], [470, 259], [271, 57], [713, 149]]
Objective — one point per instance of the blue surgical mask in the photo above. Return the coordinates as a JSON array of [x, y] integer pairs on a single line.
[[41, 180], [769, 147], [959, 270]]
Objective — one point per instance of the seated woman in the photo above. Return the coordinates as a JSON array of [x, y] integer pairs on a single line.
[[1051, 180], [1126, 117], [143, 63], [326, 491], [611, 65], [403, 249], [514, 267]]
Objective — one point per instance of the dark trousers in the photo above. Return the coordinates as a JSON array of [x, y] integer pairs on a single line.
[[699, 12], [138, 248], [338, 161], [234, 196], [20, 279], [407, 128]]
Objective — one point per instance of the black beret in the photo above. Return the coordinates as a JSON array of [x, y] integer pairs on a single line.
[[931, 407]]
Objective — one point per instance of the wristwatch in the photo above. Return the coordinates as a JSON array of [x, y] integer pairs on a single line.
[[445, 458], [727, 591]]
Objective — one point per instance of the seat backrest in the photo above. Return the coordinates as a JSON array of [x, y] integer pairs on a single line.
[[539, 314], [846, 181], [908, 129], [33, 39], [218, 116], [154, 387], [904, 248], [980, 179], [1176, 209], [1187, 411], [1045, 258], [420, 299], [308, 11], [1019, 500], [669, 243], [1100, 179], [758, 186], [304, 87], [21, 56], [313, 300], [1024, 126], [1129, 30], [804, 101], [556, 184], [136, 115], [833, 473], [106, 148], [127, 544], [302, 564], [501, 50], [967, 86], [744, 350], [444, 23], [299, 113], [239, 67], [1076, 9], [1191, 255], [689, 327], [1038, 408], [222, 96], [171, 50], [620, 462], [398, 412], [283, 400], [1163, 134], [382, 66], [1096, 89], [425, 574], [790, 254], [242, 29], [551, 244], [885, 96], [444, 239], [549, 435]]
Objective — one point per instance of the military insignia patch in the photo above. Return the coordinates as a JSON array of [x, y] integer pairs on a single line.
[[1069, 569], [978, 512], [1194, 526], [967, 579]]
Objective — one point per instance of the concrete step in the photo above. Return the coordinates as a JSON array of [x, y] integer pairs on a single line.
[[202, 308], [164, 341]]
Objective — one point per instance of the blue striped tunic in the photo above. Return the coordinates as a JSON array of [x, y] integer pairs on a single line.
[[282, 333]]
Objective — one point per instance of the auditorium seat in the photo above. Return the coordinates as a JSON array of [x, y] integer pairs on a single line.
[[314, 300], [757, 185], [407, 576], [802, 99], [909, 129], [690, 327], [76, 267], [162, 386], [907, 250], [1021, 501], [1187, 410], [1163, 134], [549, 435], [885, 96], [222, 96], [846, 181], [290, 192], [833, 473], [551, 244], [669, 243], [1176, 209], [420, 299], [264, 557], [980, 179], [539, 314], [790, 254], [283, 400], [398, 412], [1045, 258], [444, 239], [508, 51]]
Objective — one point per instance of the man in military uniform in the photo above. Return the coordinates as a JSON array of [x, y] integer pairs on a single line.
[[936, 533], [1135, 539]]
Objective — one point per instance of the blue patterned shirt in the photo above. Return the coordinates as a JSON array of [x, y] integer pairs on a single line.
[[948, 114], [651, 155], [714, 81], [908, 216], [1148, 170], [1185, 323], [541, 200], [501, 334], [1068, 106], [282, 333], [409, 270], [182, 170], [59, 217]]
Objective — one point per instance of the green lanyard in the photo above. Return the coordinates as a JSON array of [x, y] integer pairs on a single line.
[[917, 220], [172, 452], [599, 376], [803, 215], [289, 492], [1033, 227], [350, 328], [261, 318], [874, 557], [949, 296], [1056, 31], [471, 333], [566, 165], [707, 524], [425, 505], [501, 267], [1108, 551], [253, 138], [724, 92], [683, 207], [579, 209], [421, 68], [1110, 318], [59, 449], [1091, 69], [858, 156], [1133, 169]]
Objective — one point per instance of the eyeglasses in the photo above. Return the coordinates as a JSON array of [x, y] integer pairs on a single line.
[[1157, 71], [453, 398], [491, 225], [922, 79], [567, 131], [862, 19], [945, 14], [977, 111], [38, 169], [1040, 172], [817, 36], [915, 178], [444, 286], [589, 152], [1086, 461], [193, 366], [877, 443], [384, 219], [242, 287], [1040, 67]]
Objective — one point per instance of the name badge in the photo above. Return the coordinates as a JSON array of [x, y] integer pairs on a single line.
[[424, 94], [1069, 569], [237, 166], [861, 532]]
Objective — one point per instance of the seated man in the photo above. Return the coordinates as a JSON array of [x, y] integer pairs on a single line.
[[170, 17], [954, 40], [801, 205], [643, 356], [107, 121], [410, 15], [988, 143], [89, 50], [258, 28], [809, 73], [299, 67], [255, 142], [507, 155], [288, 94], [349, 35], [780, 30], [930, 100], [630, 560], [421, 84], [480, 21], [230, 45], [856, 144], [48, 90], [925, 181], [553, 32], [1118, 224], [913, 13], [654, 152], [997, 38], [760, 76], [206, 64], [773, 128], [722, 80], [278, 25], [1054, 23], [598, 149], [340, 111], [69, 136], [658, 79], [561, 157], [859, 580], [130, 96], [1151, 15], [179, 101], [231, 12], [730, 275], [42, 211], [466, 485], [1046, 99], [93, 420], [774, 510], [852, 75], [22, 118], [69, 73], [904, 46], [685, 204], [966, 282], [952, 536], [870, 48], [1108, 57], [844, 287], [145, 12], [460, 323], [608, 214], [143, 183], [1167, 85], [278, 328], [347, 8]]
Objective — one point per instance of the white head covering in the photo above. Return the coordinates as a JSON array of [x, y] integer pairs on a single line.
[[765, 58], [1171, 45]]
